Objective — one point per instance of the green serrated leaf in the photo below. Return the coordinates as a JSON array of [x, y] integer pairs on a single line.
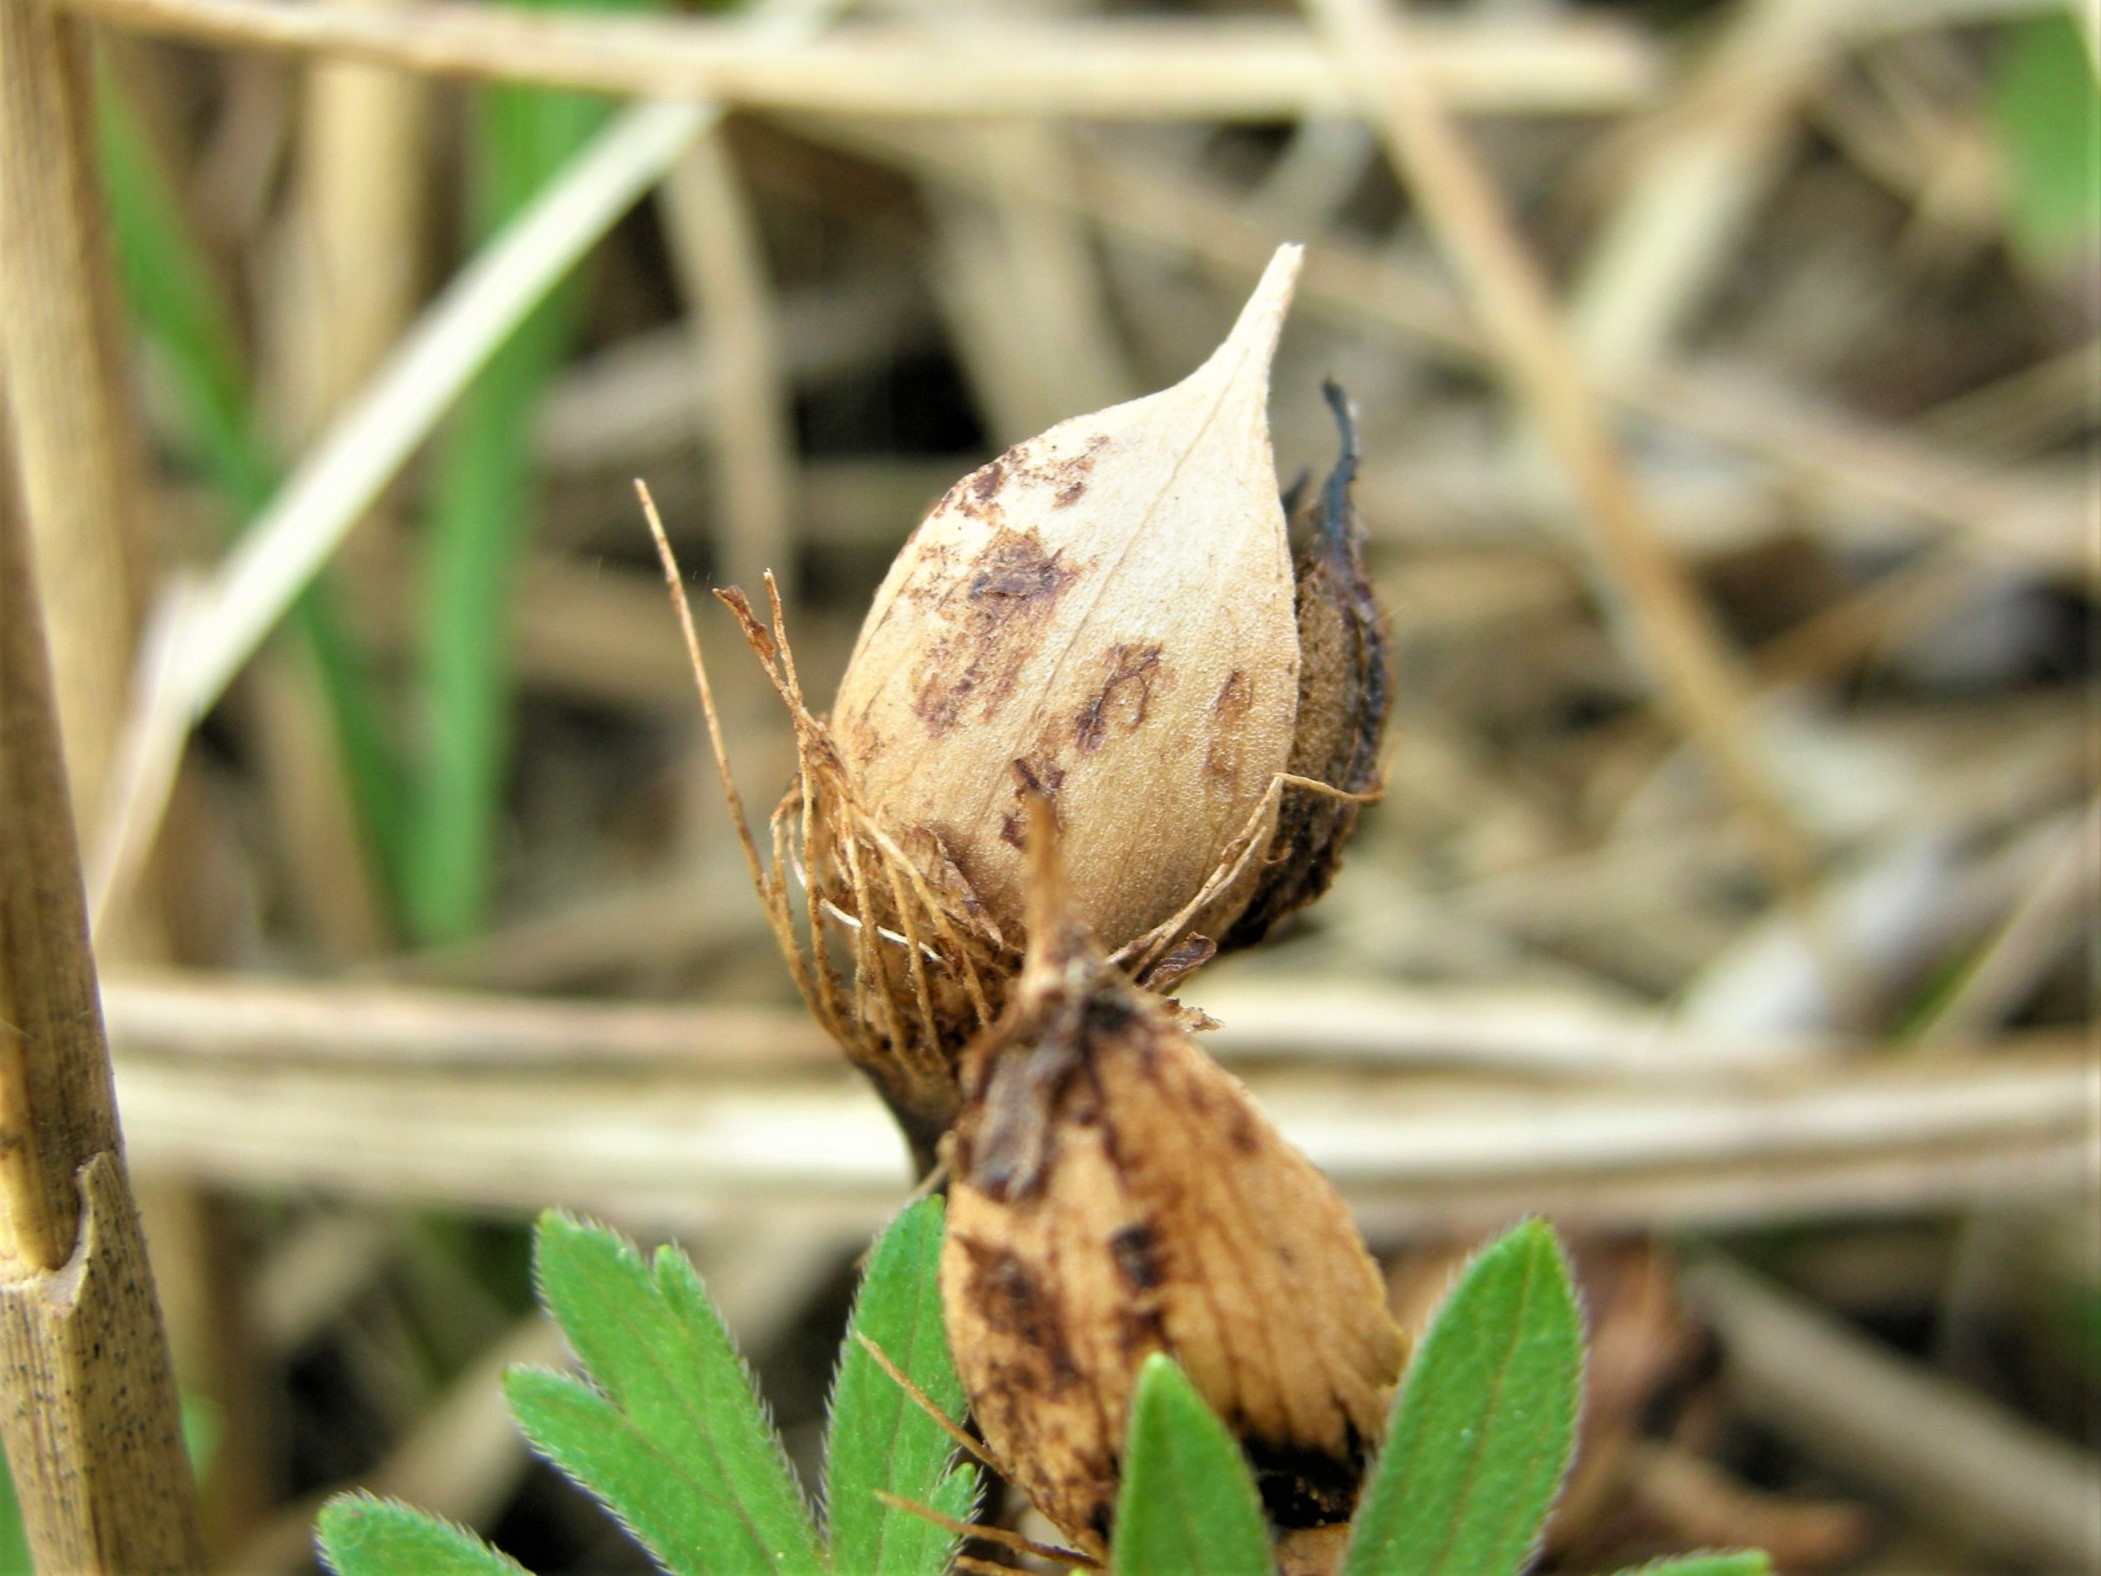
[[1188, 1502], [653, 1344], [360, 1535], [880, 1441], [1484, 1425], [688, 1530], [1735, 1563]]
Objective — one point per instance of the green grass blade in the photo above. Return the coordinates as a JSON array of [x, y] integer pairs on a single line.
[[363, 1536], [1731, 1564], [2045, 108], [879, 1440], [482, 506], [179, 306], [14, 1538], [1485, 1423], [1187, 1506], [653, 1344]]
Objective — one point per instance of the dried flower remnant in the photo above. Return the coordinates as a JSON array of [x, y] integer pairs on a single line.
[[1345, 694], [1106, 617], [1115, 1193]]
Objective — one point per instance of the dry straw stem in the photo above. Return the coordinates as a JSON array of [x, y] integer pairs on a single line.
[[362, 168], [90, 1414], [1143, 70], [1503, 280], [1299, 1023], [647, 1131], [61, 356], [721, 271], [1950, 1454], [1703, 164]]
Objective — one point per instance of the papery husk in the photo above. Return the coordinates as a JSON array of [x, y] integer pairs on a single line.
[[1107, 618], [1345, 695], [1103, 616], [924, 967], [1115, 1193]]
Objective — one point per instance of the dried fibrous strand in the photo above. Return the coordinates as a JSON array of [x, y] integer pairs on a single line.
[[1114, 1194], [921, 969]]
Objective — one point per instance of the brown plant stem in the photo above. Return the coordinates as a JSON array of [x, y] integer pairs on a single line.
[[90, 1419], [60, 353]]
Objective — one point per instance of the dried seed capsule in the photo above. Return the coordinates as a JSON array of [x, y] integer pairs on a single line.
[[1105, 617], [1102, 615], [1116, 1193]]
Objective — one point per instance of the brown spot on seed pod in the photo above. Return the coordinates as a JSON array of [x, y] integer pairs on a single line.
[[1133, 672], [1012, 588], [1136, 1183], [1070, 476], [1011, 1302], [1014, 568], [1132, 1248]]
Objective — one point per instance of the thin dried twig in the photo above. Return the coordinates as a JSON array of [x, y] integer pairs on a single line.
[[1694, 666], [996, 68], [1954, 1456], [1409, 1149], [722, 276]]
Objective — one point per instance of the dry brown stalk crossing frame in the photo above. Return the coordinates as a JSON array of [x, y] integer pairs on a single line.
[[89, 1413]]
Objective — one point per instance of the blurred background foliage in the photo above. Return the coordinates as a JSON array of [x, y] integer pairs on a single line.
[[454, 927]]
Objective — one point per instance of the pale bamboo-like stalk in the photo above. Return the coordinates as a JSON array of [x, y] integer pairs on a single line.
[[90, 1420], [1150, 70], [61, 355]]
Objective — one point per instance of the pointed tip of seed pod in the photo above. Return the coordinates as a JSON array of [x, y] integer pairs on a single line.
[[1254, 338]]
